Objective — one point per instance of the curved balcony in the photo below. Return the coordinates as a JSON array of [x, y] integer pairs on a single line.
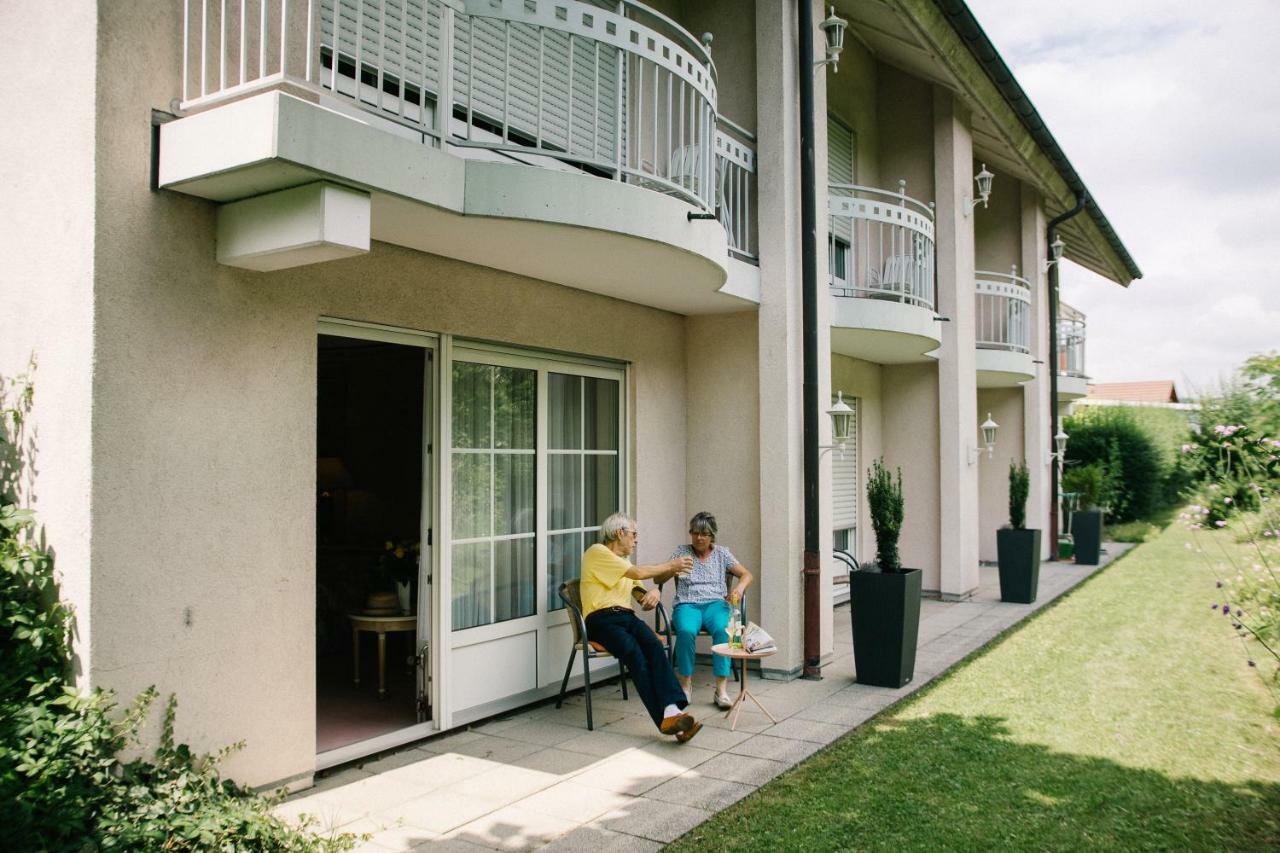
[[581, 90], [881, 271], [1073, 383], [1002, 329]]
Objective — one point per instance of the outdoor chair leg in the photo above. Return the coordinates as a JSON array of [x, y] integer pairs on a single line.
[[586, 678], [622, 670], [565, 683]]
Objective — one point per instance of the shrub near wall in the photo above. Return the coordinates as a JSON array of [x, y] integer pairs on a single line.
[[1114, 437]]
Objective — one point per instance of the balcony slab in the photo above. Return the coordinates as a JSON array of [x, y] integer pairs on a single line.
[[1072, 387], [883, 331], [1002, 368], [565, 227]]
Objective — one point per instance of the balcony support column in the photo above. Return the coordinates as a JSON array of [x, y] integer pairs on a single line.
[[1035, 394], [958, 515]]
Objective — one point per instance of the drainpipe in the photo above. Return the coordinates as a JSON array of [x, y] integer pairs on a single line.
[[1051, 233], [809, 283]]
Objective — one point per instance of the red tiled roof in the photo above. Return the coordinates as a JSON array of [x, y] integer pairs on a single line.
[[1157, 391]]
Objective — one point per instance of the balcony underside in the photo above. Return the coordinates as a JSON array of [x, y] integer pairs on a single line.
[[565, 227], [882, 331], [1072, 387], [1003, 368]]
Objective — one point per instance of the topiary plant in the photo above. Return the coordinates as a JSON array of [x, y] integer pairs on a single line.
[[1019, 488], [1086, 481], [884, 496]]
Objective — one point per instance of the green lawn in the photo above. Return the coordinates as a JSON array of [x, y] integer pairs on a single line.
[[1122, 718]]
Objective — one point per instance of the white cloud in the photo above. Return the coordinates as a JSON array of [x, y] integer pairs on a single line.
[[1171, 115]]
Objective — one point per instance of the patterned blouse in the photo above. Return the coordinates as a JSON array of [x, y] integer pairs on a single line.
[[706, 583]]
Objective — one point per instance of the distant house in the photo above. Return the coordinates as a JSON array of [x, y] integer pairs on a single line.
[[1155, 391]]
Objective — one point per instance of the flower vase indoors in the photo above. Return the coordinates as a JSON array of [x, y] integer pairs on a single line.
[[1088, 482], [1017, 547], [885, 597]]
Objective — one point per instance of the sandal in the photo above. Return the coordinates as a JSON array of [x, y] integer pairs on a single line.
[[723, 702]]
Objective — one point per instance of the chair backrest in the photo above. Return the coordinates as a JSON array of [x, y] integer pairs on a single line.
[[571, 595]]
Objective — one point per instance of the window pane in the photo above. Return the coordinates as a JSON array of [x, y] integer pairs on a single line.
[[564, 497], [514, 408], [564, 398], [471, 495], [513, 486], [513, 578], [564, 562], [471, 387], [470, 585], [600, 401], [601, 482]]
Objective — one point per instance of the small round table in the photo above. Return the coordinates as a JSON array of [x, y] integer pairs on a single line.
[[380, 625], [743, 655]]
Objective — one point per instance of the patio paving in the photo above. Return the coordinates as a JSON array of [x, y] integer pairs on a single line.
[[537, 779]]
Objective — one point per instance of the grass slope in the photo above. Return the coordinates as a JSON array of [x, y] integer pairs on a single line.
[[1123, 718]]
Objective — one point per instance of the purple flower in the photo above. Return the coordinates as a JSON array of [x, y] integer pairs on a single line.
[[1226, 610], [1213, 607], [1251, 663], [1219, 584]]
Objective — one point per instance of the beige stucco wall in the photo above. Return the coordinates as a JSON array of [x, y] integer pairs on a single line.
[[861, 380], [204, 425], [851, 96], [733, 50], [997, 229], [904, 115], [909, 436], [1005, 406], [46, 272], [722, 460]]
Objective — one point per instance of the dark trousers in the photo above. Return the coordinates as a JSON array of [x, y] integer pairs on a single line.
[[634, 644]]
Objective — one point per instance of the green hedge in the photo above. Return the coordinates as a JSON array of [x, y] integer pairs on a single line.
[[1139, 448]]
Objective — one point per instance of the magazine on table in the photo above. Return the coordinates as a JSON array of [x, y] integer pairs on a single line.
[[756, 640]]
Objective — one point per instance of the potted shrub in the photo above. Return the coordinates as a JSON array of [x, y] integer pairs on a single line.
[[885, 597], [1017, 547], [1088, 482]]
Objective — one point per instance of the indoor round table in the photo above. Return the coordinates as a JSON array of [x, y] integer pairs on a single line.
[[380, 625], [735, 653]]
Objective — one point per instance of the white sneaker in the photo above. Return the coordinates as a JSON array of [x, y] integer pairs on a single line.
[[723, 701]]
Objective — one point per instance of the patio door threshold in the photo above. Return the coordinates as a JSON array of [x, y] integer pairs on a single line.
[[381, 743]]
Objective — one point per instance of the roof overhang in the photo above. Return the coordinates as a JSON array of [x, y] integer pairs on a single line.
[[941, 41]]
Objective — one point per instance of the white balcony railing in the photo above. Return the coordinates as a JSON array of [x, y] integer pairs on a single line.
[[1002, 311], [1071, 333], [880, 245], [614, 89]]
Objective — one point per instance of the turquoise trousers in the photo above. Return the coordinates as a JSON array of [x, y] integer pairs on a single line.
[[687, 620]]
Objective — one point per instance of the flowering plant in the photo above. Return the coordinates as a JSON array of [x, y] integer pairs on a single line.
[[399, 560], [1242, 481]]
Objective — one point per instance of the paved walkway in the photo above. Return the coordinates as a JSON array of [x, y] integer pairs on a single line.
[[536, 778]]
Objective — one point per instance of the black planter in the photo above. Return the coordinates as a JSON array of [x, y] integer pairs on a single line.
[[1086, 530], [1019, 554], [886, 623]]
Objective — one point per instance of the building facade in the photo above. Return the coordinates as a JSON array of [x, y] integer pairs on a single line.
[[335, 294]]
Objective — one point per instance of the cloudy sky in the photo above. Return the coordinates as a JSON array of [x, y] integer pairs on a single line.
[[1170, 111]]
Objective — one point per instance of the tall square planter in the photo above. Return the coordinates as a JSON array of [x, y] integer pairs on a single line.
[[1086, 530], [886, 624], [1018, 552]]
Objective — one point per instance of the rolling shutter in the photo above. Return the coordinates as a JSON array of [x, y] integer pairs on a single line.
[[840, 170], [400, 36], [844, 477]]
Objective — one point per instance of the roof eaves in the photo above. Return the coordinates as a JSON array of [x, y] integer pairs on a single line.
[[971, 33]]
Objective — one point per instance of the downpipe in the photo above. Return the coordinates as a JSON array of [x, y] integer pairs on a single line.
[[1051, 234], [812, 565]]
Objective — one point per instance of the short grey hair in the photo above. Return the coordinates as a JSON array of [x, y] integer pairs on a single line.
[[704, 522], [614, 526]]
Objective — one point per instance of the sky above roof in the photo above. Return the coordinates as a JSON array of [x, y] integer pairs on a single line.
[[1170, 112]]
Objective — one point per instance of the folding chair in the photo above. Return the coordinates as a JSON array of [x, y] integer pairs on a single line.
[[572, 598]]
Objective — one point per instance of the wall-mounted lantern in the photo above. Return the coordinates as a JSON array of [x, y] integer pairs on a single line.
[[841, 424], [833, 28], [983, 180], [988, 428], [1055, 250]]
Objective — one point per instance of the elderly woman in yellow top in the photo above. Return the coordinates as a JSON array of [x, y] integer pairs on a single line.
[[608, 579]]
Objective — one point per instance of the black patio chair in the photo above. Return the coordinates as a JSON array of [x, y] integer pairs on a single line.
[[572, 598]]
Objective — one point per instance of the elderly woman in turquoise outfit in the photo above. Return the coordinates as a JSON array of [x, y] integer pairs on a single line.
[[704, 599]]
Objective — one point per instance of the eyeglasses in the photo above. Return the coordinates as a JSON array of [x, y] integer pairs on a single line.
[[699, 533]]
